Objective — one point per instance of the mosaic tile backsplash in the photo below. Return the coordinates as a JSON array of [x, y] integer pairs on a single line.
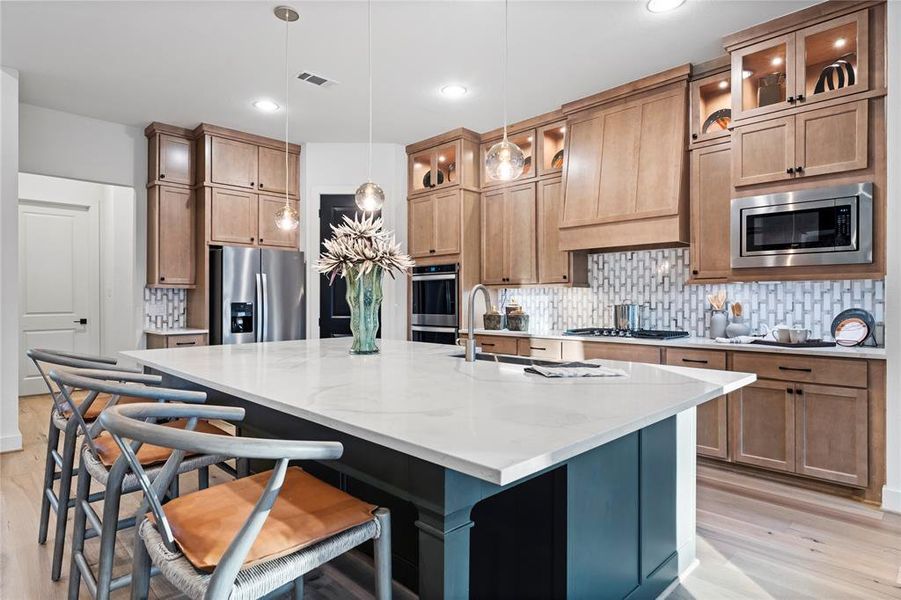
[[165, 308], [656, 279]]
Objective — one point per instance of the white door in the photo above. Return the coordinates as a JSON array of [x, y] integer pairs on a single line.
[[59, 281]]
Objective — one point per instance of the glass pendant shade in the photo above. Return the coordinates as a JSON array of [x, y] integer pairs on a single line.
[[286, 218], [504, 161], [369, 197]]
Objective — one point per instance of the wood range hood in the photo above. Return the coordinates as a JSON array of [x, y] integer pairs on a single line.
[[625, 176]]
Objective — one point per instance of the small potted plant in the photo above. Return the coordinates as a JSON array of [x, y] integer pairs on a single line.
[[361, 251]]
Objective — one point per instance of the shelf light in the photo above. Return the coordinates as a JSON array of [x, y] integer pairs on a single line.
[[441, 158], [563, 129], [724, 84], [529, 139], [746, 73], [777, 60], [840, 43]]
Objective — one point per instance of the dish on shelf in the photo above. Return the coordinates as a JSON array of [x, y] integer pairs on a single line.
[[557, 161], [526, 166], [427, 179], [835, 76], [721, 117], [853, 327]]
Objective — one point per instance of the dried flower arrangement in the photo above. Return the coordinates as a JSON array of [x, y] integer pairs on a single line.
[[361, 244]]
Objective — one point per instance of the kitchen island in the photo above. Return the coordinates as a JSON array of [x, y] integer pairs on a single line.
[[513, 482]]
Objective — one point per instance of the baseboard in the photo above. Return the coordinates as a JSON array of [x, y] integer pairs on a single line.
[[679, 580], [11, 443], [891, 499]]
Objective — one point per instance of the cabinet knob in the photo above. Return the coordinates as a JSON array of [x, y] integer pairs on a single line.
[[790, 170], [162, 278], [564, 277], [799, 169], [260, 186], [251, 184], [791, 99], [694, 136], [799, 391], [694, 271], [261, 240], [162, 175], [790, 390], [800, 97], [251, 239], [431, 252]]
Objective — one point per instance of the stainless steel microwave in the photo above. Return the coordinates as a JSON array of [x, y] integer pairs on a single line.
[[825, 226]]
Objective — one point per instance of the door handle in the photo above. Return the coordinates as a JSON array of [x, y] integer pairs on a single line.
[[258, 311], [265, 308], [81, 321]]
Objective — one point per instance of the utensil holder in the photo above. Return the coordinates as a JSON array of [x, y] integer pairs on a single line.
[[718, 323], [738, 327]]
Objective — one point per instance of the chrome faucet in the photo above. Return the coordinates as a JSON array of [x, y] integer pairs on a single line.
[[470, 336]]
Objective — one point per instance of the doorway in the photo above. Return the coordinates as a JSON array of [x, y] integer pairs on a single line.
[[334, 312], [76, 270]]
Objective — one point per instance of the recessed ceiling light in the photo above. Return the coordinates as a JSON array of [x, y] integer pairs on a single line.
[[453, 90], [777, 60], [724, 84], [840, 43], [265, 105], [659, 6]]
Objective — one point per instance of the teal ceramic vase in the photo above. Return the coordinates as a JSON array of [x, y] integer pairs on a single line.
[[364, 295]]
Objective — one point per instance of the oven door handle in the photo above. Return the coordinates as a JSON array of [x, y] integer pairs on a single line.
[[432, 329], [435, 277]]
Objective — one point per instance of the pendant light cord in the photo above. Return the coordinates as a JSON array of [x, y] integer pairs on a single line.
[[369, 43], [505, 70], [287, 23]]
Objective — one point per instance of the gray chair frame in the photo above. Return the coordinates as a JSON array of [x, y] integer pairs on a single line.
[[115, 383], [136, 422], [60, 466]]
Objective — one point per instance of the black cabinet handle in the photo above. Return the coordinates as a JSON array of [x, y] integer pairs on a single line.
[[694, 136], [800, 97], [185, 343], [431, 252], [162, 278], [536, 348], [789, 390], [565, 277], [162, 175], [261, 240], [260, 186], [799, 391], [694, 360], [790, 170], [251, 239], [799, 369], [251, 184], [799, 169], [81, 321], [487, 345], [694, 271], [791, 99]]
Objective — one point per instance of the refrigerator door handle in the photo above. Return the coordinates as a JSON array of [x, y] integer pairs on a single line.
[[265, 285], [258, 316]]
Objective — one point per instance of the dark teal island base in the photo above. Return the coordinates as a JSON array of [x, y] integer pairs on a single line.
[[599, 525]]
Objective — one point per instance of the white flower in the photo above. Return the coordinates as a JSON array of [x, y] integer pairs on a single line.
[[362, 245]]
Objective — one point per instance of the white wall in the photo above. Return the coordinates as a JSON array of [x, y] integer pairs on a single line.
[[891, 493], [10, 437], [340, 169], [66, 145]]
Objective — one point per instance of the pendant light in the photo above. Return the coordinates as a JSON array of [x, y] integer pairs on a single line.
[[504, 160], [286, 218], [370, 197]]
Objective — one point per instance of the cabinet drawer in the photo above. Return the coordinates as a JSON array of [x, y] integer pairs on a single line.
[[699, 359], [181, 341], [627, 352], [497, 344], [803, 369], [538, 348]]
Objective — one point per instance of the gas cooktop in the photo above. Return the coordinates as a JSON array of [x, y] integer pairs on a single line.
[[646, 334]]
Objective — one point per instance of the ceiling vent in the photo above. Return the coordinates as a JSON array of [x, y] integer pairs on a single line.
[[317, 80]]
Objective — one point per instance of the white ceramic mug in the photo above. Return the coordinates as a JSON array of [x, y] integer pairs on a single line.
[[781, 334], [799, 335]]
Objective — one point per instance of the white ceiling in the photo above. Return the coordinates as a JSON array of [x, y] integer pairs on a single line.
[[187, 62]]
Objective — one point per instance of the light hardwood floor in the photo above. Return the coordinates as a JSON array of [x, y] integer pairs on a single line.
[[756, 539]]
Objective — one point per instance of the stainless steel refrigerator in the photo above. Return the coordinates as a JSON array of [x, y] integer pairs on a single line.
[[256, 295]]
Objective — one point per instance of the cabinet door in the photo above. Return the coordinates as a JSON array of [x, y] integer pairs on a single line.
[[553, 265], [270, 234], [763, 152], [175, 160], [712, 418], [711, 194], [519, 223], [763, 425], [829, 54], [494, 244], [763, 77], [422, 226], [661, 155], [619, 163], [233, 217], [447, 222], [445, 163], [176, 236], [709, 96], [582, 168], [272, 171], [831, 433], [233, 163], [831, 140]]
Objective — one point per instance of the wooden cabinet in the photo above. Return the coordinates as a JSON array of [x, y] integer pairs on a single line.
[[763, 152], [712, 416], [268, 231], [804, 369], [233, 217], [554, 265], [831, 433], [497, 344], [814, 64], [549, 151], [449, 160], [434, 224], [170, 237], [233, 163], [711, 195], [710, 97], [576, 350], [175, 340], [540, 348], [176, 164], [763, 425], [271, 171], [508, 236], [526, 141]]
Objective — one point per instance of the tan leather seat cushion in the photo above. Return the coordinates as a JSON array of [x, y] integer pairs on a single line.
[[148, 454], [307, 511], [98, 404]]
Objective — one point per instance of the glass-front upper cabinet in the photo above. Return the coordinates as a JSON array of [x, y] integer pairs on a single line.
[[711, 107], [551, 140], [434, 168], [832, 58], [526, 142], [763, 77]]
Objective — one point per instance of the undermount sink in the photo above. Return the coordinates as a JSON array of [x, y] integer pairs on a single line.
[[512, 360]]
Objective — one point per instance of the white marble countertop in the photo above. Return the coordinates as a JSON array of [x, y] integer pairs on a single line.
[[486, 419], [176, 331], [700, 343]]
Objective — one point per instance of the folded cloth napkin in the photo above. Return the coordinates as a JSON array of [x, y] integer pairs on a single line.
[[576, 369], [742, 339]]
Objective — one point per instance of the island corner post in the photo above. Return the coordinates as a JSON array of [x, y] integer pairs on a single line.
[[599, 525]]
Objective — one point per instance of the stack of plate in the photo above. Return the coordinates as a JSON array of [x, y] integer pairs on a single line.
[[853, 327]]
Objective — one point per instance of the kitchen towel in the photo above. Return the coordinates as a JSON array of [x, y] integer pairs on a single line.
[[576, 369]]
